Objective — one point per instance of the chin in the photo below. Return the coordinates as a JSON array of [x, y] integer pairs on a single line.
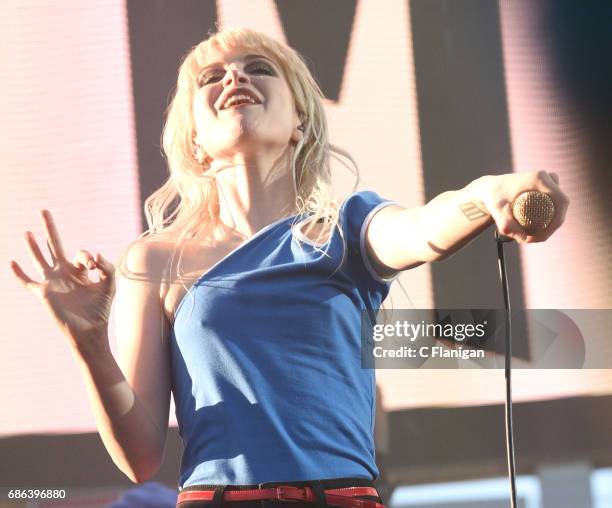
[[245, 135]]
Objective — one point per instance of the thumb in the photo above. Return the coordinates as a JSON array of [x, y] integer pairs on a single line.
[[105, 268], [554, 177]]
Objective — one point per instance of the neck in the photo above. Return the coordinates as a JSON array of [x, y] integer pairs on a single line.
[[254, 191]]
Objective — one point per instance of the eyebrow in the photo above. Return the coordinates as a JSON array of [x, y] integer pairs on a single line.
[[247, 57]]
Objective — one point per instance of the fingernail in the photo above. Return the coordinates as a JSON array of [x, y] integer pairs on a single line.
[[91, 264]]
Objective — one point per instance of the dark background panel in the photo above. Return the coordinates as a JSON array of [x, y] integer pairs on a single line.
[[320, 30], [464, 132]]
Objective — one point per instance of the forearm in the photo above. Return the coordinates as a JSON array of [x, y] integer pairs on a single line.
[[133, 441], [452, 219]]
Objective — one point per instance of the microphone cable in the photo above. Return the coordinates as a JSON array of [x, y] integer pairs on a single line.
[[500, 239], [534, 211]]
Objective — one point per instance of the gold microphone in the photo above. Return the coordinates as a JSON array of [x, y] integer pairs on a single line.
[[534, 211]]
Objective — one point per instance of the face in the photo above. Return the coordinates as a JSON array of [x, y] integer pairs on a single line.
[[260, 114]]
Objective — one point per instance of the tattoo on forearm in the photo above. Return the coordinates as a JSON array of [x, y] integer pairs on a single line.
[[473, 210]]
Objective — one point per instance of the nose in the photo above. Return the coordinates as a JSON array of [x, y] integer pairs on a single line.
[[234, 76]]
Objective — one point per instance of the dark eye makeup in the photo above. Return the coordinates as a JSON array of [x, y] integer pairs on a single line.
[[214, 75]]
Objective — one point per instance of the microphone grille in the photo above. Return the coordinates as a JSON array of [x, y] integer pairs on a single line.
[[533, 210]]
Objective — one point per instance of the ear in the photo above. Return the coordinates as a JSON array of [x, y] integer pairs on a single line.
[[298, 125], [203, 158], [297, 134], [298, 129]]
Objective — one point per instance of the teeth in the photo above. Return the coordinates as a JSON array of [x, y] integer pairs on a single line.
[[236, 98]]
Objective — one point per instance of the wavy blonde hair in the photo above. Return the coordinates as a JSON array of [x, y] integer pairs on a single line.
[[188, 202]]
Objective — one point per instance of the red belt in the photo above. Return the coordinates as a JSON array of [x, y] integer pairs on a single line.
[[341, 497]]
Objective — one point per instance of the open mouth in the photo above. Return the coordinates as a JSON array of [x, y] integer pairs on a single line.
[[239, 100], [240, 105]]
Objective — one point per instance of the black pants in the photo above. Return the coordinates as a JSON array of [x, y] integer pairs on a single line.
[[317, 486]]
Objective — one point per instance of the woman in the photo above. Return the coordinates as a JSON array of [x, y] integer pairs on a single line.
[[262, 352]]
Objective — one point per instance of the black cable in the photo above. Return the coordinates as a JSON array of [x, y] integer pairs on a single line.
[[508, 365]]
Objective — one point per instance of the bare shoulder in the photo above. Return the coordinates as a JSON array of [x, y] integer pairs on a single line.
[[139, 274], [168, 267], [146, 260], [151, 263]]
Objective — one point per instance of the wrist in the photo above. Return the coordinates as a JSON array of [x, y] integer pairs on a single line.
[[91, 345], [478, 192], [472, 201]]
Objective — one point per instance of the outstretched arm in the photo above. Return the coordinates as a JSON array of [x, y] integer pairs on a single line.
[[400, 238]]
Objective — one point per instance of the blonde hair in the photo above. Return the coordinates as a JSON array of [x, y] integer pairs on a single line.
[[188, 202]]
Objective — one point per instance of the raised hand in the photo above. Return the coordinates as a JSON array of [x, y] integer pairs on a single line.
[[77, 304]]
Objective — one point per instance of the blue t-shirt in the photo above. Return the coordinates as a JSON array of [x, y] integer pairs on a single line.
[[266, 358]]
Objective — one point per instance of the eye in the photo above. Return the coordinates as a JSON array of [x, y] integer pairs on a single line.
[[261, 68], [210, 77]]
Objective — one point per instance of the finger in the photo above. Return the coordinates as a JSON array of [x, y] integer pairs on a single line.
[[541, 181], [507, 224], [83, 259], [37, 256], [554, 177], [26, 282], [105, 268], [54, 241]]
